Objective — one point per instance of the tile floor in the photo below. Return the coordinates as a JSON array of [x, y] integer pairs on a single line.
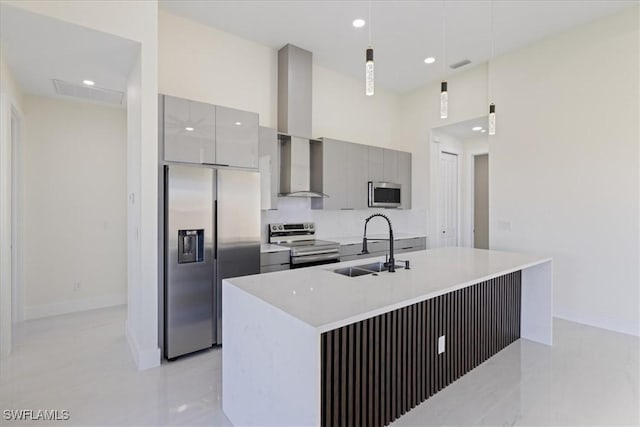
[[81, 362]]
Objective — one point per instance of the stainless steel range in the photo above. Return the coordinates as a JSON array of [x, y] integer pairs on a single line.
[[305, 249]]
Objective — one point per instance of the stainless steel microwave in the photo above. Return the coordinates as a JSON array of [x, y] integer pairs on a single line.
[[384, 194]]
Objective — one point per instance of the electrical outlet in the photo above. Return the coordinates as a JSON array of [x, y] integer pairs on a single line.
[[76, 286], [441, 344]]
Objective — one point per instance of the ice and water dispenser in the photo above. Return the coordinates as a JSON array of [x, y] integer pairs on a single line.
[[190, 246]]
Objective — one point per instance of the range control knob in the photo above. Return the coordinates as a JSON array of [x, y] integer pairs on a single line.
[[273, 227], [311, 226], [279, 227], [306, 226]]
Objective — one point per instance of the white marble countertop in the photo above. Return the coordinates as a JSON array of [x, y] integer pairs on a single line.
[[268, 247], [350, 240], [326, 300]]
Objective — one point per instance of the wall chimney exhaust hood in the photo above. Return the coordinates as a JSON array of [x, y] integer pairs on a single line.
[[294, 121]]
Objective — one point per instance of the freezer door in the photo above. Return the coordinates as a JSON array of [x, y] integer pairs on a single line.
[[189, 259], [238, 236]]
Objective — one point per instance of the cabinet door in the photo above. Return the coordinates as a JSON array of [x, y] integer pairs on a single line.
[[236, 138], [357, 176], [390, 166], [334, 173], [189, 131], [376, 164], [269, 168], [404, 175]]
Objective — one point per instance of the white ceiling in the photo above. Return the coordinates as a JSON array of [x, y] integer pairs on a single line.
[[38, 49], [403, 32]]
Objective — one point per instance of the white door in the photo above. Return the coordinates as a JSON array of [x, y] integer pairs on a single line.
[[448, 200]]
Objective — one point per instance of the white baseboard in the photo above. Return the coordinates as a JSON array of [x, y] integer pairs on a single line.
[[46, 310], [143, 358], [616, 325]]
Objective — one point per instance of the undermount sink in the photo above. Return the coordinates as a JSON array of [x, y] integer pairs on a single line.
[[361, 270]]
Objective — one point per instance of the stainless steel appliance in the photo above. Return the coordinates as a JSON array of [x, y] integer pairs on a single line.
[[212, 232], [384, 194], [305, 249]]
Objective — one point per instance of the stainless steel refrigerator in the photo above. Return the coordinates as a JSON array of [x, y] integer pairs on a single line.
[[212, 232]]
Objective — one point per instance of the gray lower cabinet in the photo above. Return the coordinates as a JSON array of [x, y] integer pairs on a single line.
[[410, 245], [236, 138], [274, 261], [353, 251], [189, 131], [269, 166]]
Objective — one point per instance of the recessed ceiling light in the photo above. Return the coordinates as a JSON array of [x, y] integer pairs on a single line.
[[238, 123], [483, 131], [358, 23], [188, 129], [429, 60], [89, 82], [476, 128]]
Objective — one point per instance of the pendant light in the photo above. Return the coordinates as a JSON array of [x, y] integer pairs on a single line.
[[444, 96], [492, 106], [369, 80]]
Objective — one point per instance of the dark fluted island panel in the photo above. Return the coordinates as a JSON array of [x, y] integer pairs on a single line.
[[375, 370]]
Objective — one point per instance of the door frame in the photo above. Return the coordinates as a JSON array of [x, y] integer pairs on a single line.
[[472, 192], [10, 219]]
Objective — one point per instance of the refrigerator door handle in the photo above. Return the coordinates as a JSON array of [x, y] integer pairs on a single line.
[[215, 229]]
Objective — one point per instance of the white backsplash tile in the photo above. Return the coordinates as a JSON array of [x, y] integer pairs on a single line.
[[343, 223]]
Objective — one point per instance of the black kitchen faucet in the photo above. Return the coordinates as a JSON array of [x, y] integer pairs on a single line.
[[391, 264]]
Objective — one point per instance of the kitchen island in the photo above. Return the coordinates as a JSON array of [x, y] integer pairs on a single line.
[[313, 347]]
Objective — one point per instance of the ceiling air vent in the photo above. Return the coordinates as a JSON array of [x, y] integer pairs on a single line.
[[460, 64], [96, 94]]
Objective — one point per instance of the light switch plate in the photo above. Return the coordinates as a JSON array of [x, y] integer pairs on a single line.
[[441, 344]]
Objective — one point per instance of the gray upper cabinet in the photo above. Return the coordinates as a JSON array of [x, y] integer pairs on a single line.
[[236, 138], [404, 178], [343, 169], [376, 164], [269, 166], [357, 176], [196, 132], [339, 169], [189, 131], [329, 173], [390, 166]]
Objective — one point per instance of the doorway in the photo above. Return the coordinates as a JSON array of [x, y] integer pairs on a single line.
[[481, 201], [453, 151], [448, 199]]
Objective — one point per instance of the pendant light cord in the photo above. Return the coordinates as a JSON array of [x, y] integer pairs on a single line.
[[370, 23], [490, 68], [444, 39]]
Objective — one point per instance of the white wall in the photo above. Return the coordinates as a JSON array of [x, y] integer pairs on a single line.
[[564, 163], [564, 166], [205, 64], [10, 99], [74, 163], [136, 21]]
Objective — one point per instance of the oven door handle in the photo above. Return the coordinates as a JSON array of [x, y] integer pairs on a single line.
[[318, 252], [309, 259]]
